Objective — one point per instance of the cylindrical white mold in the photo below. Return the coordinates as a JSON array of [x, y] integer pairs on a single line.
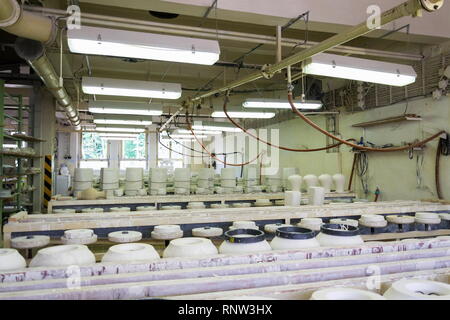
[[83, 179], [244, 241], [158, 181], [287, 172], [310, 223], [109, 178], [294, 238], [292, 198], [182, 180], [134, 179], [417, 289], [316, 196], [228, 180], [337, 235]]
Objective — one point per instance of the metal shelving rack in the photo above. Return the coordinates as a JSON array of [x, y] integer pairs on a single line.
[[21, 176]]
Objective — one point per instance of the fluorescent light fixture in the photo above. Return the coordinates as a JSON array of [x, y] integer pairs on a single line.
[[142, 45], [281, 104], [127, 122], [215, 126], [13, 146], [244, 115], [117, 135], [203, 132], [119, 107], [130, 88], [187, 136], [119, 129], [336, 66]]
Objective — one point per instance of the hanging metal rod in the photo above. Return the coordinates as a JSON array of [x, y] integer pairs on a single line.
[[408, 8]]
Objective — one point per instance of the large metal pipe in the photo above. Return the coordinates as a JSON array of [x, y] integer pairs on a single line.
[[33, 30], [408, 8]]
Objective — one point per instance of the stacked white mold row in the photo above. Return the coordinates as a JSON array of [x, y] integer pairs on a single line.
[[287, 172], [274, 181], [134, 181], [158, 181], [250, 177], [228, 180], [83, 179], [109, 178], [182, 181], [205, 181]]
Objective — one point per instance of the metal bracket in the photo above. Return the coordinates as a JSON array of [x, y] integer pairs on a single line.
[[264, 72], [432, 5]]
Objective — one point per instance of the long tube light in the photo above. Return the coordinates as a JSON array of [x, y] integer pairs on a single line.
[[130, 88], [244, 115], [122, 43], [331, 65], [119, 129], [201, 132], [184, 136], [127, 122], [119, 107], [215, 126], [281, 104]]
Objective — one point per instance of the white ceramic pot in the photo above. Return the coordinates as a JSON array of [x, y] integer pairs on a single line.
[[400, 219], [11, 259], [372, 221], [190, 247], [336, 235], [63, 255], [207, 232], [311, 180], [295, 182], [339, 182], [79, 236], [427, 218], [243, 225], [345, 294], [263, 203], [125, 236], [241, 205], [29, 242], [415, 289], [66, 211], [219, 205], [294, 238], [242, 241], [292, 198], [325, 181], [310, 223], [344, 221], [128, 252], [167, 232]]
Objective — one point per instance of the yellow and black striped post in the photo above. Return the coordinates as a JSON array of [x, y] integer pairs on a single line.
[[47, 179]]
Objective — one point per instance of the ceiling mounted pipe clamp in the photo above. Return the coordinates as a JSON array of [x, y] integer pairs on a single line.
[[255, 236], [432, 5]]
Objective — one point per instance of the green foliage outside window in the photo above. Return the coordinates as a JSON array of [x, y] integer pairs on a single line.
[[134, 149], [93, 147]]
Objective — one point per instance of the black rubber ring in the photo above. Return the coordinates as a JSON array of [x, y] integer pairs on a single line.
[[255, 236], [295, 233], [339, 230]]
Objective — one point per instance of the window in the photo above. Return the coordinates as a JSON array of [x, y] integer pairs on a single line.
[[171, 158], [133, 153], [134, 149], [93, 147], [94, 151]]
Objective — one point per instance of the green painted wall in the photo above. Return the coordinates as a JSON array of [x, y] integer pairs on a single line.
[[394, 173]]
